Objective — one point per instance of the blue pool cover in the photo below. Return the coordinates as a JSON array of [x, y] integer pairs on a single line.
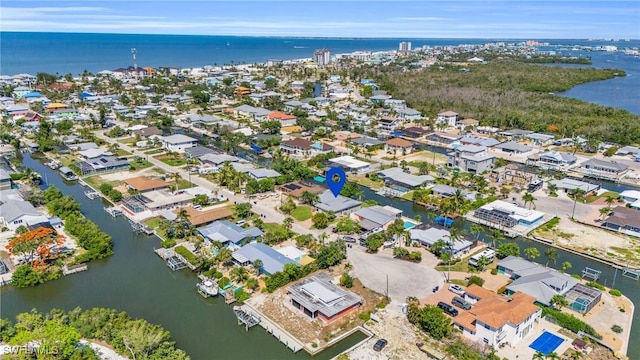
[[546, 343]]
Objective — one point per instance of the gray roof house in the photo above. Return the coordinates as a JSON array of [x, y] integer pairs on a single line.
[[376, 217], [217, 159], [260, 174], [427, 237], [534, 279], [318, 298], [339, 205], [14, 213], [198, 151], [604, 166], [397, 176], [558, 158], [447, 191], [272, 260], [625, 220], [228, 233], [5, 180], [514, 147]]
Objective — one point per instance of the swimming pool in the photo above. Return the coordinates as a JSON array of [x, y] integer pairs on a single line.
[[408, 225]]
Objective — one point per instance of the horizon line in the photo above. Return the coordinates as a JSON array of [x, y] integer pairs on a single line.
[[317, 37]]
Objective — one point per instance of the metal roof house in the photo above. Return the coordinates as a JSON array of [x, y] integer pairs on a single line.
[[624, 220], [319, 298], [514, 147], [338, 204], [272, 260], [376, 217], [429, 236], [397, 176], [604, 166], [228, 233], [14, 213]]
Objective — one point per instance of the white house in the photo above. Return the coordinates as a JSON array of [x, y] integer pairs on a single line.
[[178, 142], [495, 319], [447, 117], [14, 213]]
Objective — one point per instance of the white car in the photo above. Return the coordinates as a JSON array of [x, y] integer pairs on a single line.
[[456, 289]]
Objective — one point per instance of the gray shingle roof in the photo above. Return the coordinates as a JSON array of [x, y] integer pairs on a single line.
[[398, 175], [13, 209], [272, 261], [328, 202], [225, 231]]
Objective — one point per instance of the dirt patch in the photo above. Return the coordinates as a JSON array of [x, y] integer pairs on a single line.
[[277, 306]]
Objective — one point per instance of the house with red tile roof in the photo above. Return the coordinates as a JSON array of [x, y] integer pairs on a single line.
[[401, 146], [285, 119]]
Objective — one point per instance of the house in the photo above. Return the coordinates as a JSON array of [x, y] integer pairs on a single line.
[[319, 147], [557, 158], [148, 132], [285, 119], [143, 184], [351, 164], [5, 180], [515, 134], [261, 174], [156, 200], [319, 298], [229, 234], [448, 118], [414, 132], [448, 191], [467, 123], [408, 114], [367, 142], [486, 142], [376, 217], [604, 167], [199, 218], [471, 158], [494, 319], [399, 145], [293, 253], [388, 123], [16, 110], [539, 139], [272, 260], [442, 138], [513, 147], [543, 283], [340, 205], [218, 159], [102, 164], [15, 213], [398, 177], [628, 150], [569, 185], [430, 235], [93, 153], [506, 214], [198, 151], [178, 142], [53, 107], [632, 197], [296, 147], [624, 220], [296, 188]]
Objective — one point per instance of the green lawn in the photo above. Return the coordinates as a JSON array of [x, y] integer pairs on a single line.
[[121, 152], [139, 163], [172, 161], [127, 141], [154, 151], [408, 195], [183, 184], [153, 222], [95, 181], [270, 226], [301, 213], [375, 185]]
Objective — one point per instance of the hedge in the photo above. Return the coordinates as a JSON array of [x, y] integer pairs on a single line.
[[188, 255], [570, 322]]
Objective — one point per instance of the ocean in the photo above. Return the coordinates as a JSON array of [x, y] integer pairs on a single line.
[[64, 53]]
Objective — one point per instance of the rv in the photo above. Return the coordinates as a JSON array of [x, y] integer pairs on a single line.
[[489, 254]]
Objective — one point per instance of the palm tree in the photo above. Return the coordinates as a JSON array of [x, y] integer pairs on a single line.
[[287, 222], [476, 229], [538, 356], [239, 274], [552, 356], [576, 355], [605, 211], [456, 234], [257, 264], [176, 176], [531, 253], [577, 193], [224, 256], [496, 236], [552, 188], [438, 246], [323, 237], [565, 266], [528, 199], [610, 199], [551, 254], [113, 148], [558, 301], [505, 191]]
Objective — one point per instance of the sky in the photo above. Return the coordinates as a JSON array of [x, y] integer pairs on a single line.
[[569, 19]]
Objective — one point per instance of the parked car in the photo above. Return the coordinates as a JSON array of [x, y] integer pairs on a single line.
[[461, 303], [456, 289], [349, 239], [379, 345], [241, 222], [448, 309]]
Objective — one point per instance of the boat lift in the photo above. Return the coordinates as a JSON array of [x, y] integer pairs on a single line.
[[590, 273], [631, 273]]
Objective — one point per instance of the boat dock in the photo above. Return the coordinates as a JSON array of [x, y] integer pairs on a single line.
[[272, 328], [207, 287], [68, 270], [113, 211], [140, 227], [174, 261], [249, 319], [92, 194]]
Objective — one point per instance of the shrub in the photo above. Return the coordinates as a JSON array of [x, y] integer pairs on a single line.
[[576, 276], [594, 284], [474, 279], [346, 280], [365, 316], [615, 292], [616, 329], [494, 271], [217, 275], [381, 305], [224, 282], [622, 309], [415, 256], [570, 322], [25, 276], [168, 243], [241, 296], [188, 255]]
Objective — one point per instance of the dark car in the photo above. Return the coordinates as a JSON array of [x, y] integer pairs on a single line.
[[448, 309], [379, 345]]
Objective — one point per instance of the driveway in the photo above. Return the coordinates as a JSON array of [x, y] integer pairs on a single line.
[[405, 278]]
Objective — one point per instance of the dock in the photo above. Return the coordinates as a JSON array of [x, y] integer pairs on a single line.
[[113, 211], [589, 273], [174, 261], [245, 317], [139, 228], [68, 270], [272, 328]]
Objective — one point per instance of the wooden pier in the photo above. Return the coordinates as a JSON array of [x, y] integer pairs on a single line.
[[272, 328], [68, 270]]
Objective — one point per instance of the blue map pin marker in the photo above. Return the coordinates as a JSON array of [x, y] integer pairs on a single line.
[[336, 185]]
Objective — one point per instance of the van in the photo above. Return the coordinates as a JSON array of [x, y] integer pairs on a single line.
[[241, 222], [448, 309], [461, 303]]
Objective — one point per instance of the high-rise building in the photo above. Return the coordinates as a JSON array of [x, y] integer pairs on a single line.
[[405, 47], [322, 57]]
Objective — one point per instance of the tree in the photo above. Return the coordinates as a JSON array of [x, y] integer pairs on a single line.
[[201, 199], [476, 229], [532, 253], [528, 199], [271, 127], [375, 241], [551, 254], [288, 206], [320, 220], [35, 245], [435, 322], [496, 236], [347, 226], [605, 211], [176, 176], [483, 262], [239, 274], [352, 190], [456, 234], [243, 210], [257, 264], [252, 283], [577, 194], [558, 301], [610, 199], [308, 197], [346, 280], [224, 256], [505, 191], [566, 266], [438, 246], [475, 279], [507, 249], [288, 222]]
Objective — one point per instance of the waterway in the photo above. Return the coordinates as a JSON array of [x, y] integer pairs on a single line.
[[609, 276], [137, 281]]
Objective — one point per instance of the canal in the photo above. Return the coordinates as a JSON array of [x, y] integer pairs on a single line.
[[629, 287], [137, 281]]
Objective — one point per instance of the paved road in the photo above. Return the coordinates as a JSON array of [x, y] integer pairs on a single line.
[[405, 278], [271, 214]]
